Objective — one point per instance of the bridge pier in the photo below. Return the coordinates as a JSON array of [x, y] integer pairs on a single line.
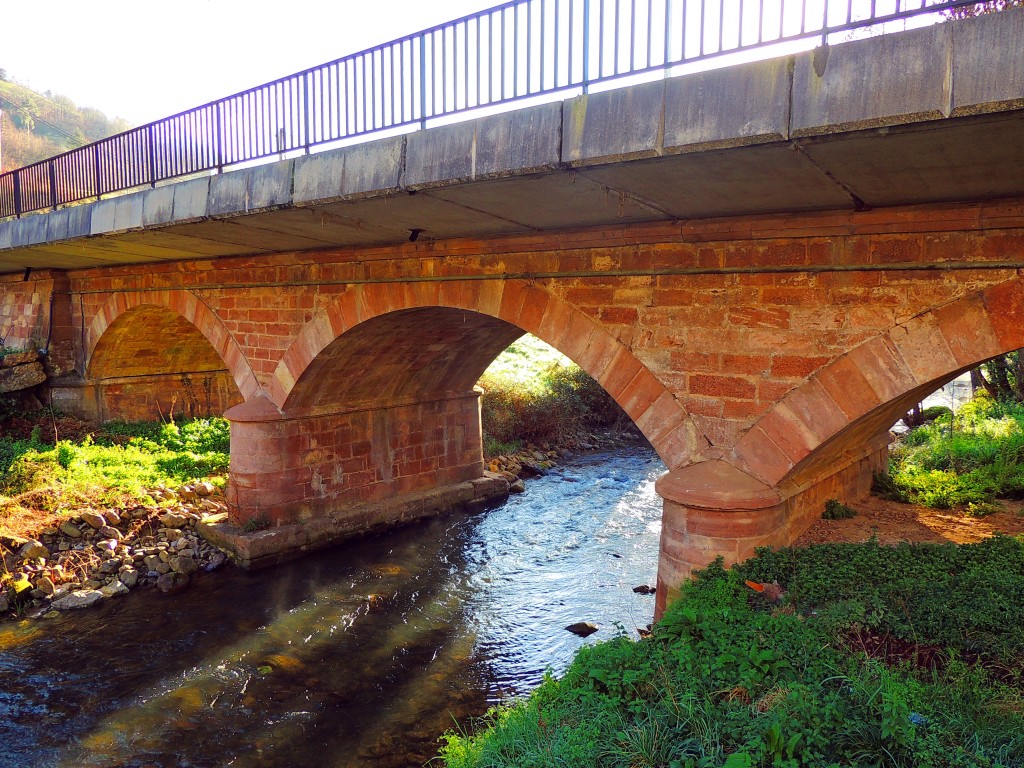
[[300, 481], [712, 509]]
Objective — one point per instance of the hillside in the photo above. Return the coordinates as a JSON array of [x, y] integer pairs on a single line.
[[35, 126]]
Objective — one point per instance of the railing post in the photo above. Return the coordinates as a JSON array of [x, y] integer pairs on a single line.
[[423, 80], [96, 169], [51, 172], [308, 111], [151, 155], [17, 194], [586, 45], [219, 145]]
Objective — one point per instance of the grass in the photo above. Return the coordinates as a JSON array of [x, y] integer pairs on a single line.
[[904, 656], [534, 394], [119, 464], [969, 460]]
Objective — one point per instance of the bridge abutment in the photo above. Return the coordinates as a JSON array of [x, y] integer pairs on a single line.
[[712, 509]]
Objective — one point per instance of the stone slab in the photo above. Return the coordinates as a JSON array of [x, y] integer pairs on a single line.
[[613, 126], [994, 81], [275, 545]]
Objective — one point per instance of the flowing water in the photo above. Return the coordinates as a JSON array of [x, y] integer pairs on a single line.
[[357, 656]]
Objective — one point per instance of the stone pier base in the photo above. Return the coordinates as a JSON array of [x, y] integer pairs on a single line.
[[286, 542], [713, 509]]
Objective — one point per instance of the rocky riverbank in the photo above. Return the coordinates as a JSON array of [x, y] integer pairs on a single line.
[[95, 555]]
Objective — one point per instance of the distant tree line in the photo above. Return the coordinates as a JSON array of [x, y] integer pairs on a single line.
[[35, 126]]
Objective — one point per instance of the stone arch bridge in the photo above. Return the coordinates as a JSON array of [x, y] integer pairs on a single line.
[[764, 288]]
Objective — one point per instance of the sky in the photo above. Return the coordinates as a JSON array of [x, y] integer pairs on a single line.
[[146, 59]]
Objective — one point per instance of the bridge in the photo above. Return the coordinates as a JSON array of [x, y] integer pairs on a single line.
[[764, 264]]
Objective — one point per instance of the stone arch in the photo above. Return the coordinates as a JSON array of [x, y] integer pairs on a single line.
[[180, 310], [496, 312], [862, 393]]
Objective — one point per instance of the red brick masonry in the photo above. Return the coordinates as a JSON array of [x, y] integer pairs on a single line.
[[760, 354]]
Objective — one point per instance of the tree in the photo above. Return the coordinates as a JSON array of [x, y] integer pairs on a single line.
[[1002, 377], [980, 9]]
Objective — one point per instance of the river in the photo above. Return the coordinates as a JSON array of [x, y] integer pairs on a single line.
[[356, 656]]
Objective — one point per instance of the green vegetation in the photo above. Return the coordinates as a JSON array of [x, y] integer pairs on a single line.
[[534, 394], [972, 458], [873, 656], [836, 510], [36, 126], [118, 464]]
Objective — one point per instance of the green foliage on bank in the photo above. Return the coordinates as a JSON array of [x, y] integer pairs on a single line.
[[119, 462], [731, 679], [970, 459], [534, 394]]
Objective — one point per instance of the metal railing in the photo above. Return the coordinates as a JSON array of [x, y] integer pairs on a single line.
[[518, 50]]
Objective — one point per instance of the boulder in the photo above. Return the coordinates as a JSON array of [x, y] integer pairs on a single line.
[[32, 550], [94, 519], [81, 598], [582, 628], [169, 583], [21, 377], [184, 565]]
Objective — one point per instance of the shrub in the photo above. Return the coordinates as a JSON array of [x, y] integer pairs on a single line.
[[836, 510]]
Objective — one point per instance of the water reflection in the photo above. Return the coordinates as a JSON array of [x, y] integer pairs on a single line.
[[354, 657]]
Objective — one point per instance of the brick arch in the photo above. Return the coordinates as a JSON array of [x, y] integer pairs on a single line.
[[527, 307], [866, 390], [187, 306]]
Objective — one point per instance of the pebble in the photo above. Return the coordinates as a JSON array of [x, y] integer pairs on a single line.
[[129, 578], [110, 532], [70, 529]]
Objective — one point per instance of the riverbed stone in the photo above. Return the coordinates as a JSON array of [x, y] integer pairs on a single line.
[[81, 598], [151, 562], [34, 549], [517, 487], [114, 589], [583, 628], [129, 578], [110, 567], [109, 532], [45, 585], [94, 519], [162, 568], [112, 516], [70, 529], [184, 565], [173, 520], [169, 583]]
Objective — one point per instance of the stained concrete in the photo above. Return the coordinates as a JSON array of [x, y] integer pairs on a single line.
[[924, 116]]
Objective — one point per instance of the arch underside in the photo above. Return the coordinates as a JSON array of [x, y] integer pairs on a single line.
[[151, 363]]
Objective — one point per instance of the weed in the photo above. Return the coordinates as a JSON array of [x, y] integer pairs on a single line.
[[836, 510]]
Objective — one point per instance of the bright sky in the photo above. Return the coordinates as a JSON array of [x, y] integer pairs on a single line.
[[146, 59]]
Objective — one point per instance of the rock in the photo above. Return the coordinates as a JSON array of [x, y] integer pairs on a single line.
[[19, 358], [94, 519], [82, 598], [162, 568], [184, 565], [582, 628], [173, 520], [114, 589], [21, 377], [129, 578], [517, 487], [113, 518], [70, 529], [4, 605], [185, 493], [45, 585], [110, 567], [151, 562], [644, 589], [169, 583], [110, 532], [32, 550], [204, 489], [92, 584], [106, 545], [216, 561]]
